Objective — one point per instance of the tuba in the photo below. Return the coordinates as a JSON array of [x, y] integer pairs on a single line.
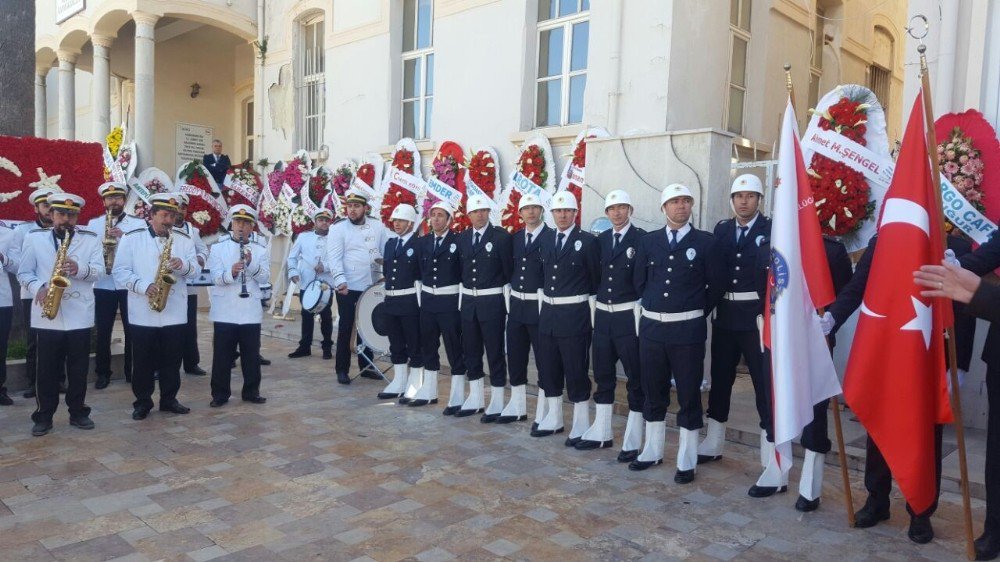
[[110, 244], [164, 279], [58, 283]]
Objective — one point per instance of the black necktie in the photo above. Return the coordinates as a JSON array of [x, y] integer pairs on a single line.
[[742, 236], [529, 240], [673, 239], [399, 247], [476, 243], [437, 243], [559, 244], [618, 239]]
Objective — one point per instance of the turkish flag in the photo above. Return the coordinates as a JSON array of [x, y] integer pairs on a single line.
[[895, 375]]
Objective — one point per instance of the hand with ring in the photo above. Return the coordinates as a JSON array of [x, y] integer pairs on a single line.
[[947, 280]]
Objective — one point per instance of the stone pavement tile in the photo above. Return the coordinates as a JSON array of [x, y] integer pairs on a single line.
[[92, 528], [208, 553], [176, 542], [99, 548], [502, 547], [178, 518], [435, 555], [244, 536]]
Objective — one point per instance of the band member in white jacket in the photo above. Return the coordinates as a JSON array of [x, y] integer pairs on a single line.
[[63, 331], [157, 335], [305, 264], [238, 267]]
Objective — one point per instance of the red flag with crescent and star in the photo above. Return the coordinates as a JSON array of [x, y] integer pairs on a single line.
[[895, 380]]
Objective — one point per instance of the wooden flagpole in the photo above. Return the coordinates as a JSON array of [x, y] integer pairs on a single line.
[[834, 401], [956, 399]]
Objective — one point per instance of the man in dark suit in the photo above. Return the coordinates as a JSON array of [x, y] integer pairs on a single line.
[[571, 263], [218, 164], [487, 264]]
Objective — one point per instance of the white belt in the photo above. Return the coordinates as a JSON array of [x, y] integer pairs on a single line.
[[448, 290], [482, 292], [673, 316], [621, 307], [400, 292], [575, 299], [748, 296], [524, 296]]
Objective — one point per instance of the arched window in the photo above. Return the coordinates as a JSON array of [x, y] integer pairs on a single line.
[[880, 71]]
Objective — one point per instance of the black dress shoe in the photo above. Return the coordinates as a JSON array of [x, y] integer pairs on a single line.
[[702, 459], [83, 422], [628, 456], [30, 393], [388, 395], [466, 413], [255, 400], [451, 410], [571, 441], [216, 403], [176, 408], [327, 354], [638, 465], [403, 400], [41, 428], [920, 531], [987, 546], [756, 491], [300, 352], [546, 432], [196, 371], [342, 378], [684, 476], [368, 373], [511, 419], [805, 506], [264, 362], [588, 445], [422, 402], [102, 383], [870, 515], [140, 413], [4, 399], [489, 418]]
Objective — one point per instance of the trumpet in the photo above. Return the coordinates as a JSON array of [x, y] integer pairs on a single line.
[[58, 283], [110, 243], [244, 293], [164, 279]]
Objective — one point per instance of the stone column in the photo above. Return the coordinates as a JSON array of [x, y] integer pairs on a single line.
[[144, 84], [116, 101], [102, 84], [41, 106], [67, 94]]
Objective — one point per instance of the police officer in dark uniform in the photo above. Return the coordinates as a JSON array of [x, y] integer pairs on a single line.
[[441, 276], [571, 268], [487, 263], [616, 331], [680, 280], [734, 327], [524, 304], [402, 306]]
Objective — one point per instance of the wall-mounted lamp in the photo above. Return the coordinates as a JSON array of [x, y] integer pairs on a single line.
[[195, 89]]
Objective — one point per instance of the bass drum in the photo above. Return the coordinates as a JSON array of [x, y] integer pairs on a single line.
[[368, 320], [316, 296]]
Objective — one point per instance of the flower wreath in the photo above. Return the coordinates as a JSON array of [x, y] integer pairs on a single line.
[[448, 167], [969, 154], [405, 158], [535, 162], [205, 211], [154, 180]]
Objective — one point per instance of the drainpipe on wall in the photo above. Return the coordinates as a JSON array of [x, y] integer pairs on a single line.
[[945, 86], [259, 85], [614, 96]]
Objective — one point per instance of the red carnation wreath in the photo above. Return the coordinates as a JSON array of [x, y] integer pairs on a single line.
[[842, 195], [204, 210], [532, 164], [242, 186], [404, 159]]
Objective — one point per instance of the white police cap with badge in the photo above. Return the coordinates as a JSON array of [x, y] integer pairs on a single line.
[[564, 200], [747, 182], [617, 197], [529, 200], [405, 212], [674, 191]]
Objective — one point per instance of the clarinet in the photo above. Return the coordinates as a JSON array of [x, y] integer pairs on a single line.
[[244, 293]]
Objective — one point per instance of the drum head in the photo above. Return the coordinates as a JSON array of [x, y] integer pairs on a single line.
[[365, 322], [379, 320]]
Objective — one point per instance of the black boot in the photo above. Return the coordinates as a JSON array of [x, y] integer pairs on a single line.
[[920, 531], [805, 505], [4, 399], [987, 546], [102, 382], [871, 514]]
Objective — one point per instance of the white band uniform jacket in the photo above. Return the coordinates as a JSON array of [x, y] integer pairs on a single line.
[[38, 256], [200, 248], [135, 269], [127, 224], [20, 232], [227, 306], [7, 261], [308, 250], [350, 251]]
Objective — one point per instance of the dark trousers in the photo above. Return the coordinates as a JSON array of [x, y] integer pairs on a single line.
[[686, 363], [106, 306], [157, 349], [993, 450], [878, 478], [607, 351], [404, 339], [309, 324], [727, 348], [565, 360], [6, 315], [446, 326], [31, 345], [69, 350], [226, 338], [520, 338], [479, 335], [191, 355], [814, 434], [346, 309]]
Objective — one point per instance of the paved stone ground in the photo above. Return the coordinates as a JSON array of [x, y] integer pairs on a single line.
[[327, 472]]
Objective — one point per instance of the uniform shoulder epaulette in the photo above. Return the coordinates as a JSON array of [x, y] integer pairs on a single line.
[[131, 232], [86, 232], [38, 230], [181, 232], [722, 222]]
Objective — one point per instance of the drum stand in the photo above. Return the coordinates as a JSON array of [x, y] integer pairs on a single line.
[[361, 348]]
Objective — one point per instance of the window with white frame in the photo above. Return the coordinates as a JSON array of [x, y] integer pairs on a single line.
[[816, 66], [311, 85], [563, 38], [418, 68], [739, 26], [248, 131]]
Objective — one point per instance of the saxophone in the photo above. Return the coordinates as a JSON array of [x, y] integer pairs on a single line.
[[110, 244], [58, 283], [164, 279]]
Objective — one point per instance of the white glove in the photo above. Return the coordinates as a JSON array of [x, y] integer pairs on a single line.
[[949, 256], [827, 322]]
